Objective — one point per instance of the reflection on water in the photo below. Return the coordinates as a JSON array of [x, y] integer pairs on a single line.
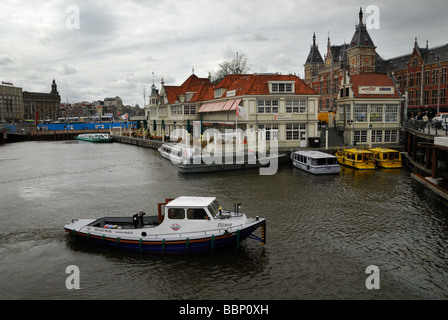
[[322, 231]]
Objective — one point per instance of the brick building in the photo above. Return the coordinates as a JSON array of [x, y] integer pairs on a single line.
[[422, 76]]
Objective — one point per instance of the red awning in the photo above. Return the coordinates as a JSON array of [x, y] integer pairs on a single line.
[[228, 105]]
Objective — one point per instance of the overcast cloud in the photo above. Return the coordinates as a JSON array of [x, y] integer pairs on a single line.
[[119, 44]]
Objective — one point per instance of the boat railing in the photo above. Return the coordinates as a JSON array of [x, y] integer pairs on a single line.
[[187, 234]]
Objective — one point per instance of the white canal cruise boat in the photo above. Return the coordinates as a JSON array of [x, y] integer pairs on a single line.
[[183, 225], [315, 162]]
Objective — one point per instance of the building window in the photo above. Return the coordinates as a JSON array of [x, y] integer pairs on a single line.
[[391, 113], [295, 106], [443, 96], [175, 110], [390, 136], [267, 106], [427, 78], [360, 136], [418, 78], [281, 88], [377, 136], [434, 97], [443, 76], [435, 79], [190, 110], [295, 131], [411, 80], [271, 131], [360, 113], [376, 113], [426, 98]]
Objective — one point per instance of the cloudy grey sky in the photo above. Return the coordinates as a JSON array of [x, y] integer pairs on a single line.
[[119, 44]]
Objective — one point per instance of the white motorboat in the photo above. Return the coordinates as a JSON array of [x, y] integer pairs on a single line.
[[183, 225], [315, 162]]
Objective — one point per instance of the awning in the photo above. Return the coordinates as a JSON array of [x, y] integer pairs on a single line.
[[219, 106]]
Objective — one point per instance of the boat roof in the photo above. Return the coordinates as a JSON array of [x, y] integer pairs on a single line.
[[355, 150], [315, 154], [186, 201], [379, 149]]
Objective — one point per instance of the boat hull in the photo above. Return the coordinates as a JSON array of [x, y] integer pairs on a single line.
[[94, 138], [330, 169], [201, 245]]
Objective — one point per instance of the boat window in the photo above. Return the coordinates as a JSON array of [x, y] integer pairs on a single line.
[[176, 213], [197, 214], [331, 160], [397, 155], [213, 208], [385, 156]]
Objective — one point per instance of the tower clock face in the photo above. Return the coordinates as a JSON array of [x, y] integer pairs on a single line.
[[366, 60]]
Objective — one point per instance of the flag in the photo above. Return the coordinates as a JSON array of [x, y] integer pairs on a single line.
[[240, 111], [124, 117]]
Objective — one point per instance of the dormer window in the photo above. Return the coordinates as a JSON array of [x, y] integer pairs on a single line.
[[282, 87], [219, 92]]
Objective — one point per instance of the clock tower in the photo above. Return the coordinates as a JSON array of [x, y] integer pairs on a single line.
[[361, 52]]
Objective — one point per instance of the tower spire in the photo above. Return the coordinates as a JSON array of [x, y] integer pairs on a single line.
[[360, 15]]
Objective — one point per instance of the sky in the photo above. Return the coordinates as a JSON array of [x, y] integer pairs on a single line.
[[96, 49]]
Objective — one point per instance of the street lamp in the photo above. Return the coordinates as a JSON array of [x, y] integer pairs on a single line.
[[350, 123], [370, 142]]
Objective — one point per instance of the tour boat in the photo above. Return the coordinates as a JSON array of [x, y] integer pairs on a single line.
[[95, 137], [183, 225], [356, 158], [176, 152], [387, 158], [315, 162]]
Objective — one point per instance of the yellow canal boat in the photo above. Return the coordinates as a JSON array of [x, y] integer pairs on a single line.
[[356, 158], [387, 158]]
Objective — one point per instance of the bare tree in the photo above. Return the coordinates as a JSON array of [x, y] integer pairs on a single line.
[[238, 65]]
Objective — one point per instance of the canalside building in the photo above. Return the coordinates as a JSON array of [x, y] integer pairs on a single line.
[[422, 76], [353, 82], [282, 107], [42, 106], [11, 103]]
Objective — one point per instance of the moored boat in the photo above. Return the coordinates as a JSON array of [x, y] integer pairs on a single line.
[[387, 158], [183, 225], [95, 137], [315, 162], [176, 153], [356, 158]]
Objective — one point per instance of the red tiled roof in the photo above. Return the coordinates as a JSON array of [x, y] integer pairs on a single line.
[[257, 84], [244, 84], [372, 80]]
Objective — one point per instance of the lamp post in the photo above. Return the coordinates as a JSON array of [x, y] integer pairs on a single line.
[[350, 123], [326, 136], [370, 140]]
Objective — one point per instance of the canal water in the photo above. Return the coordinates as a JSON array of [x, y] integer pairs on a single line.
[[323, 232]]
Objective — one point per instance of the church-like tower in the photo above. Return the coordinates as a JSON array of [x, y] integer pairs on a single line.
[[313, 62], [361, 52]]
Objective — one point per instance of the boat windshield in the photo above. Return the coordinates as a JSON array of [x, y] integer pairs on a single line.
[[213, 208]]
